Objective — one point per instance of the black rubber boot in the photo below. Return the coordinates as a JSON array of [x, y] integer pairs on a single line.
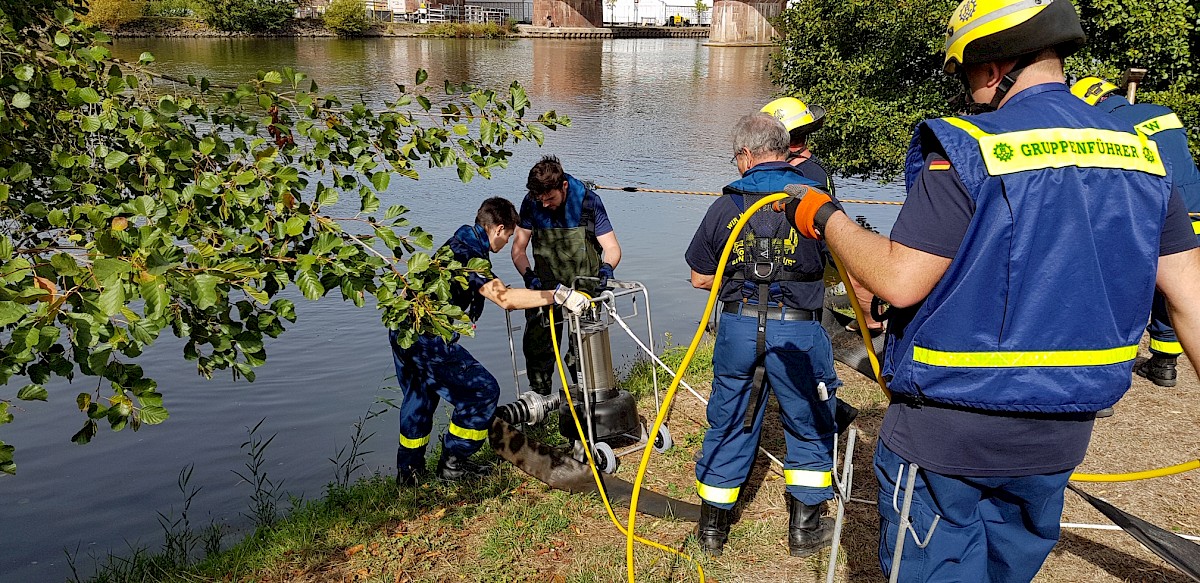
[[409, 477], [807, 531], [1160, 369], [713, 529], [844, 415], [452, 468]]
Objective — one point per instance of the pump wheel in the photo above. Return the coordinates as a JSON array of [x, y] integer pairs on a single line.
[[663, 441], [606, 459]]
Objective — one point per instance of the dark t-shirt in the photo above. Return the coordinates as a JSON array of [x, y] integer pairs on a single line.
[[704, 253], [956, 441]]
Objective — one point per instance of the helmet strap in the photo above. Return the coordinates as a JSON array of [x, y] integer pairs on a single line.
[[1010, 79]]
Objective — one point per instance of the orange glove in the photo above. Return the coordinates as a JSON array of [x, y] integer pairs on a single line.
[[807, 210]]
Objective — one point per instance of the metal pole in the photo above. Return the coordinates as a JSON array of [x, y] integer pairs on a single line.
[[512, 352], [902, 529], [843, 490]]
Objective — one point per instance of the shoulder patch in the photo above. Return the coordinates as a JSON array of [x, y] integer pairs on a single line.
[[939, 165]]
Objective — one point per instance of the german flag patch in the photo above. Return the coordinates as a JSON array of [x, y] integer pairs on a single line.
[[939, 165]]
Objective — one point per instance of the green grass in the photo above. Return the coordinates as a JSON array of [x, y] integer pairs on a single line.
[[469, 30]]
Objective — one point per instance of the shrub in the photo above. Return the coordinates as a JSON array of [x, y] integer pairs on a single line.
[[468, 30], [346, 17], [113, 13], [248, 15]]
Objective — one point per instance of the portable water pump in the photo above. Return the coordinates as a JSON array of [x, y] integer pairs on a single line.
[[606, 411]]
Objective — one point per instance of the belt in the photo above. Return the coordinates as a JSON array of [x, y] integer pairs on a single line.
[[773, 312]]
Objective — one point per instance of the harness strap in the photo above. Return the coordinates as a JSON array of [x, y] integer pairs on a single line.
[[757, 392], [780, 275]]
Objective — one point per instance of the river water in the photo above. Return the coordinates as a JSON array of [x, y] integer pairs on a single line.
[[653, 113]]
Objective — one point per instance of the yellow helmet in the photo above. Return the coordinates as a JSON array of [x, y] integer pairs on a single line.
[[798, 118], [980, 31], [1092, 89]]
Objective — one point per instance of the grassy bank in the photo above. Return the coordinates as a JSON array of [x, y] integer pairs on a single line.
[[509, 527]]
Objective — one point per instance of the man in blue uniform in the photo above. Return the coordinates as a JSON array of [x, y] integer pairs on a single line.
[[432, 368], [1160, 124], [995, 376], [801, 120], [769, 339], [572, 237]]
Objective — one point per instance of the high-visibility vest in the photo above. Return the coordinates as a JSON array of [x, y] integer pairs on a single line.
[[1043, 305]]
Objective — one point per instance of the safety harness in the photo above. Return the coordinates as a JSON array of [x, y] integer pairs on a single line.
[[760, 265]]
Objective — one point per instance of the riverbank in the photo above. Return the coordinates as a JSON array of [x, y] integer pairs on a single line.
[[511, 527], [178, 27]]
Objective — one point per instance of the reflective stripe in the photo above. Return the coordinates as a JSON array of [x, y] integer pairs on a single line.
[[1016, 359], [993, 16], [413, 443], [1196, 227], [1060, 147], [808, 478], [1154, 125], [463, 432], [717, 495], [1166, 347]]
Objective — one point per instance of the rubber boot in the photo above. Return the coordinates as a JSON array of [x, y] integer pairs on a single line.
[[409, 477], [844, 415], [453, 468], [807, 532], [1160, 369], [713, 528]]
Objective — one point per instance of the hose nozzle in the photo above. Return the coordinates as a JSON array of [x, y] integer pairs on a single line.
[[530, 407]]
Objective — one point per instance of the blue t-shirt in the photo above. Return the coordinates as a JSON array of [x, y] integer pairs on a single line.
[[566, 216], [964, 442]]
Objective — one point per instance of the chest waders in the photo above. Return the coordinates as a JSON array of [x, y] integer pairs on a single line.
[[561, 255], [762, 263]]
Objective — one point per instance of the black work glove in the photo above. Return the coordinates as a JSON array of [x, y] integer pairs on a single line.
[[532, 281], [606, 273]]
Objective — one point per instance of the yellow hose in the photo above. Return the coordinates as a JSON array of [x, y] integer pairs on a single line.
[[679, 372], [1144, 475], [862, 324], [587, 450]]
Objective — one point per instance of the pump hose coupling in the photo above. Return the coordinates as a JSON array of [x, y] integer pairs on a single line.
[[530, 407]]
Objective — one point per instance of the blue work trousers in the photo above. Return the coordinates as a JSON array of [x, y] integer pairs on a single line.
[[1162, 335], [433, 369], [992, 530], [797, 356]]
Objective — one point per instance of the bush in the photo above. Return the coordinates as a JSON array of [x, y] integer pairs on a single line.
[[347, 17], [114, 13], [468, 30], [248, 15]]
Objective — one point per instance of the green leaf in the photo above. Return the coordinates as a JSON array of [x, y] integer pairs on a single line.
[[90, 123], [295, 225], [21, 100], [23, 72], [112, 299], [61, 39], [156, 297], [326, 196], [108, 270], [115, 159], [465, 172], [204, 290], [146, 58], [370, 202], [64, 264], [273, 77], [33, 393], [11, 312], [422, 75], [380, 180], [85, 435], [153, 415], [418, 263], [310, 284], [89, 95], [6, 457]]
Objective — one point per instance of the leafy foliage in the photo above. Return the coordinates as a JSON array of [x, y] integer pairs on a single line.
[[248, 15], [131, 203], [876, 67], [346, 17], [1161, 36], [114, 13]]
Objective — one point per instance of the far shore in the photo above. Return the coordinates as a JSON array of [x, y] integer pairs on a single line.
[[174, 27]]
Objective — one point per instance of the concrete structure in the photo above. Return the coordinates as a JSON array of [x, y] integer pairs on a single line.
[[568, 13], [738, 23]]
